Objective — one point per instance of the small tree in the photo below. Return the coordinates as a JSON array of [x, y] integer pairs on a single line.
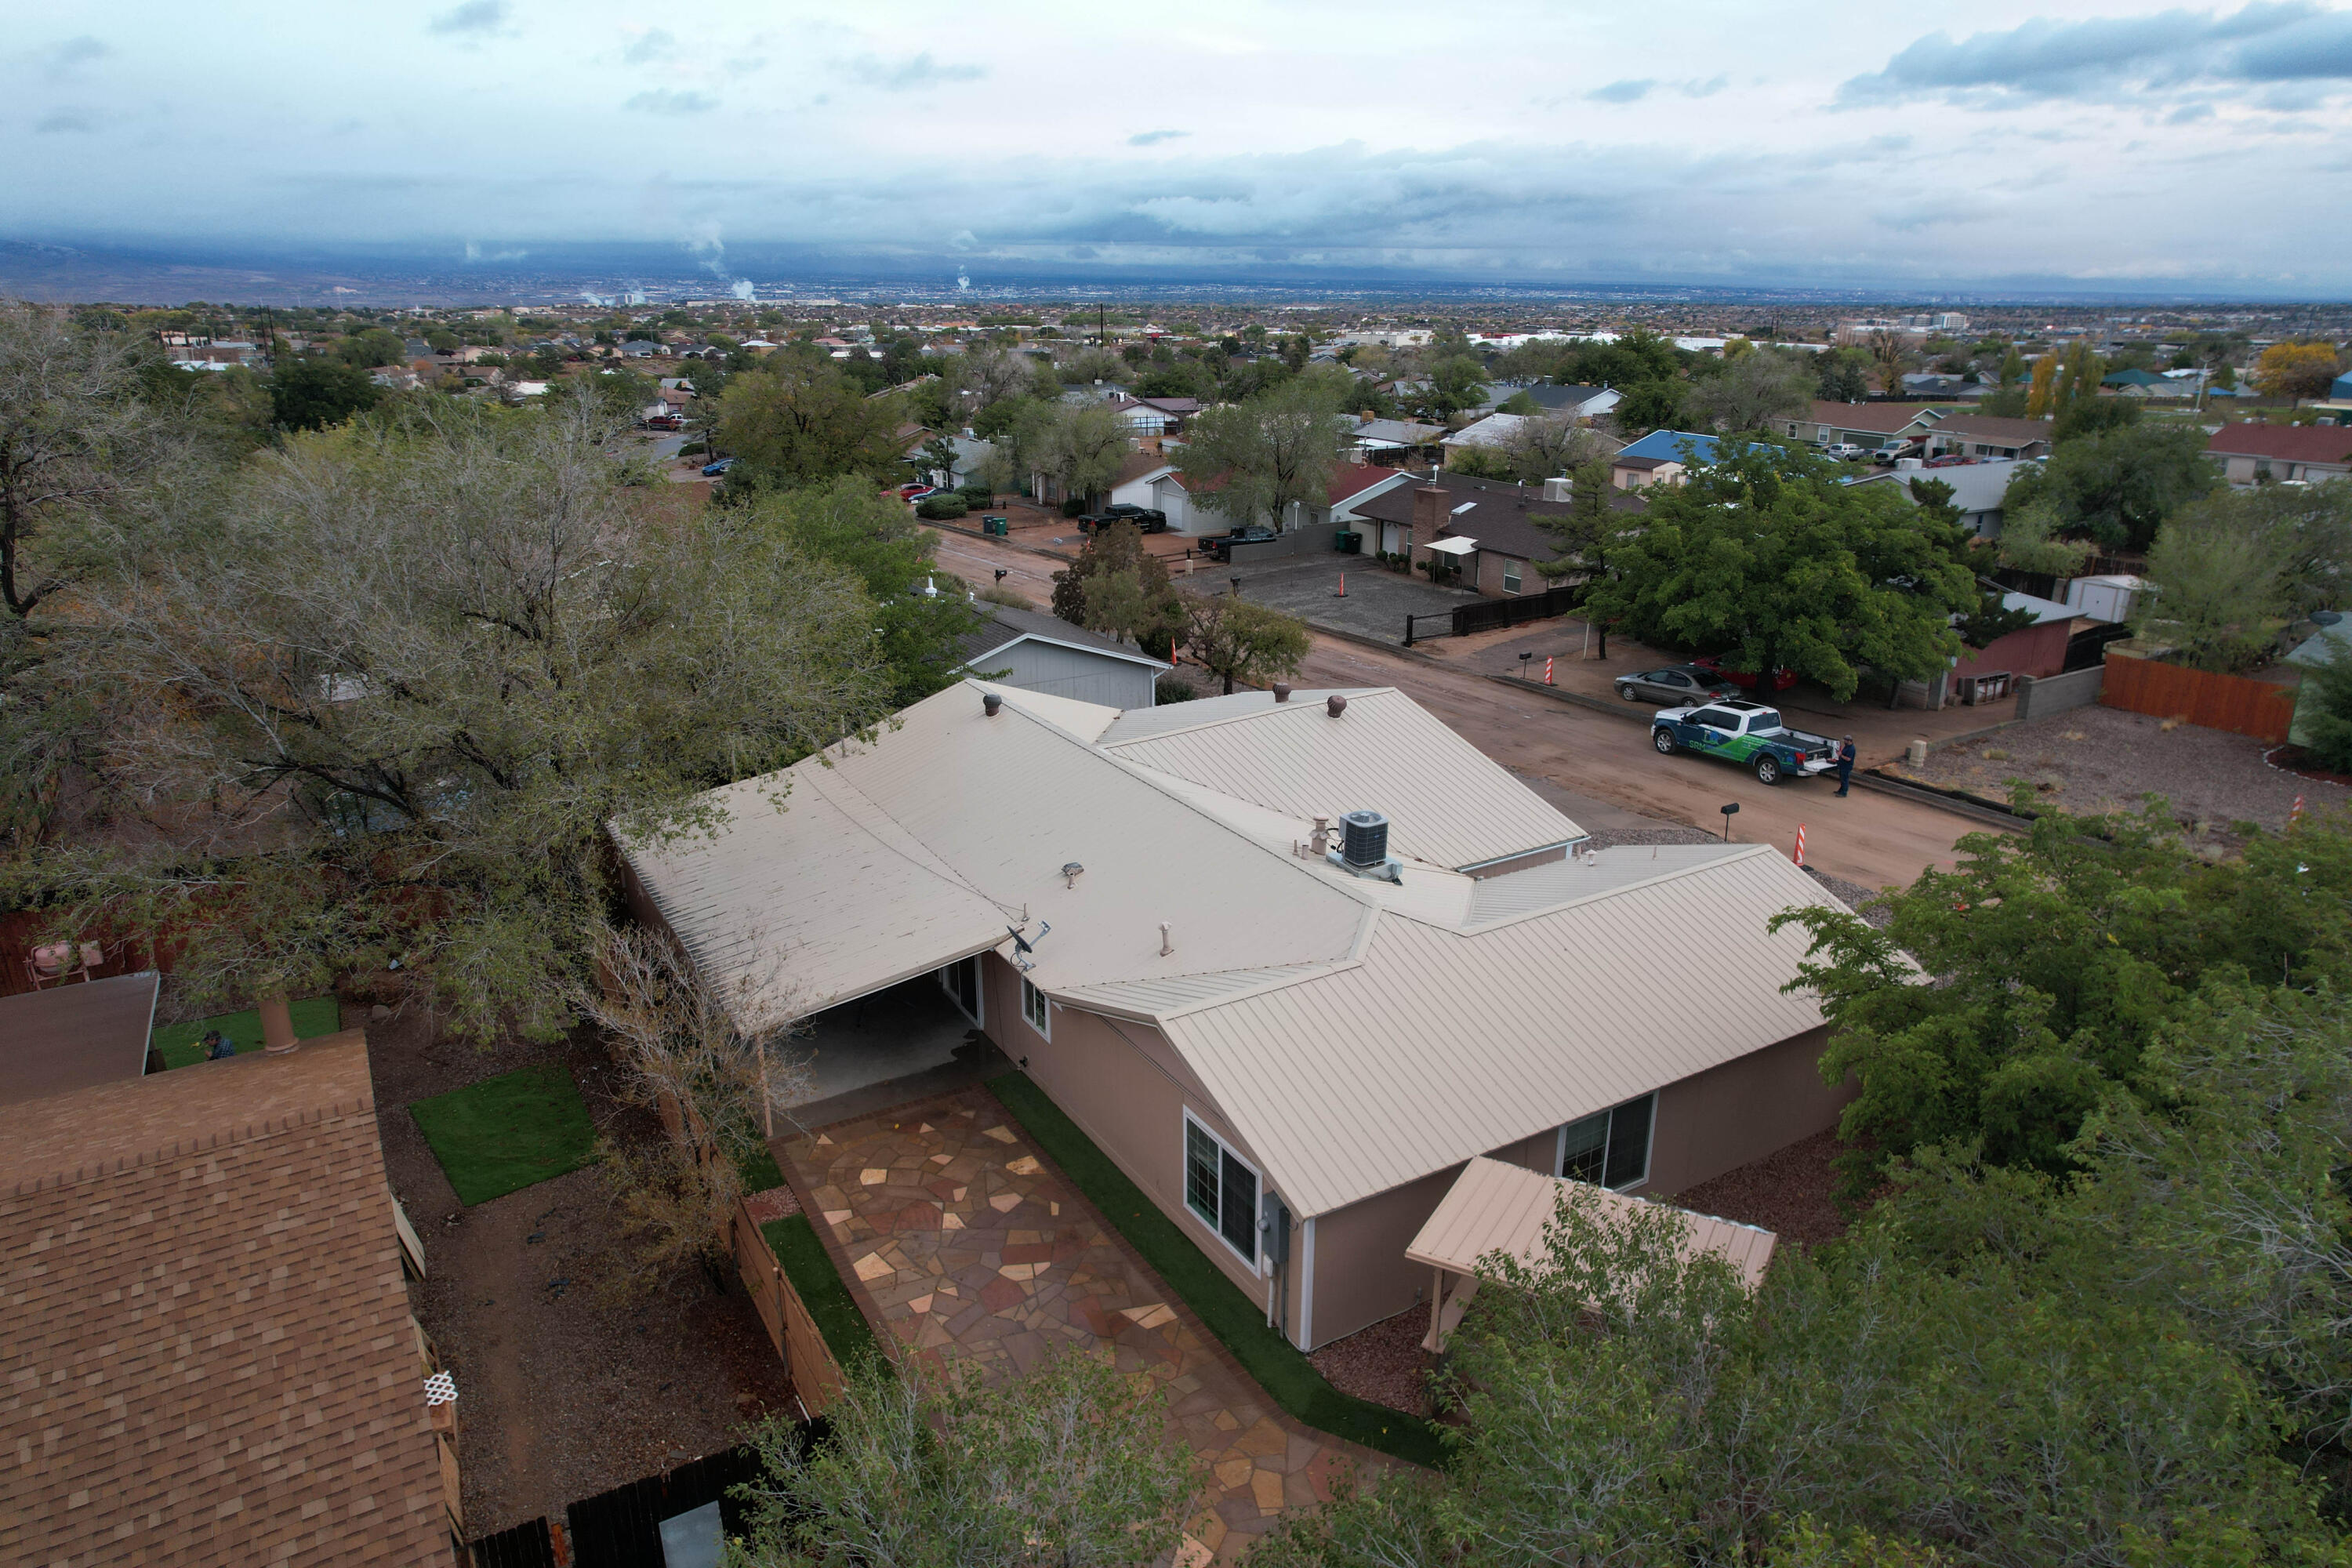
[[1070, 1466], [1756, 388], [2029, 544], [1890, 356], [1236, 640], [2216, 592], [1278, 449], [1542, 448], [2296, 370], [1084, 447]]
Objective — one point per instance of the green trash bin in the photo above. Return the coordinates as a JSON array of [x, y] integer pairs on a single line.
[[1001, 527], [1346, 541]]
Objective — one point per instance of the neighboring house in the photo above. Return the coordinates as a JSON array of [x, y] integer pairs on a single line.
[[2254, 454], [210, 1356], [1930, 383], [1582, 403], [2140, 383], [1393, 442], [1144, 420], [1659, 457], [1866, 424], [76, 1036], [1487, 529], [1978, 490], [2037, 650], [1044, 653], [1989, 436], [970, 455], [1292, 1054]]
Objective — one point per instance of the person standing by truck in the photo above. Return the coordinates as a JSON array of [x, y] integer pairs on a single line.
[[1845, 755]]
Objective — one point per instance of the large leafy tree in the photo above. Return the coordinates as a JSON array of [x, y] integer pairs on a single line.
[[2119, 485], [796, 419], [315, 392], [1252, 461], [1083, 447], [1070, 1464], [386, 702], [1237, 640], [2005, 999], [918, 619], [1117, 586], [1765, 554], [2297, 370], [1754, 389]]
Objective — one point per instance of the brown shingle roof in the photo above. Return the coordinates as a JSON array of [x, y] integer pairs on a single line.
[[1993, 428], [2288, 442], [1881, 418], [209, 1357]]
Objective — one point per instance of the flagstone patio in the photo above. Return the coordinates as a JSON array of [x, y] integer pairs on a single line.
[[968, 1246]]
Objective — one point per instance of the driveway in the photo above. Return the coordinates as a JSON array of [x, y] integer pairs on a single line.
[[1375, 603], [970, 1247]]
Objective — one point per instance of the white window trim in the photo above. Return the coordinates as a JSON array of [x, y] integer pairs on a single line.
[[979, 1016], [1512, 576], [1216, 1227], [1040, 1021], [1649, 1144]]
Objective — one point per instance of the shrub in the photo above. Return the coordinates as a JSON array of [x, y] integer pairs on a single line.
[[977, 495], [939, 507], [1176, 688], [996, 594]]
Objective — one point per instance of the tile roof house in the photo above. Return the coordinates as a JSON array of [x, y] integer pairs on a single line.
[[209, 1357], [1827, 424], [1989, 436], [1272, 1037], [2251, 453], [1046, 653]]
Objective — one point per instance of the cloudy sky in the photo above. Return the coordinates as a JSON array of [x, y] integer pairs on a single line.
[[1530, 141]]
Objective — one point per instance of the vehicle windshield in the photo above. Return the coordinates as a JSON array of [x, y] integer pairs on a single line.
[[1764, 718]]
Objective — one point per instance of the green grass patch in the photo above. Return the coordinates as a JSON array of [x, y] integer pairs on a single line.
[[508, 1132], [1237, 1322], [758, 1171], [181, 1044], [810, 1267]]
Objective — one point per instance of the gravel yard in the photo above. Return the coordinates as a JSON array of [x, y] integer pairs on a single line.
[[2103, 760], [564, 1392]]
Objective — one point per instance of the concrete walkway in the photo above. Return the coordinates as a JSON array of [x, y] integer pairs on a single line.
[[968, 1246]]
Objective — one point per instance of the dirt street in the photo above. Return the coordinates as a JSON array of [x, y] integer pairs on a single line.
[[1865, 839]]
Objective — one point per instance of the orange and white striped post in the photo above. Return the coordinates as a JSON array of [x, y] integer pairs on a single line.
[[1547, 669], [2295, 812], [1800, 844], [1343, 584]]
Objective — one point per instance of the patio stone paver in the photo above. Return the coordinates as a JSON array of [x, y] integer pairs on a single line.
[[970, 1249]]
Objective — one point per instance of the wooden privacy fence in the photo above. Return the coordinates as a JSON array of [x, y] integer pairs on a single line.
[[2228, 702], [810, 1361]]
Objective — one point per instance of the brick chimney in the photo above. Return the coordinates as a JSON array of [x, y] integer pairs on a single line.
[[1429, 514]]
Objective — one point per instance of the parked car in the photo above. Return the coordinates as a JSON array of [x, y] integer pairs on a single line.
[[1843, 451], [1888, 451], [1147, 519], [1748, 733], [910, 494], [1222, 547], [1744, 678], [712, 470], [1949, 460], [663, 422], [1676, 686]]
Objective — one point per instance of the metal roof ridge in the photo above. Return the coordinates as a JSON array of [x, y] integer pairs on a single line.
[[1745, 852], [1358, 692], [1355, 959]]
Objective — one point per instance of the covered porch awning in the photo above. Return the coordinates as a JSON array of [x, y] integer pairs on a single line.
[[1454, 546], [1494, 1207]]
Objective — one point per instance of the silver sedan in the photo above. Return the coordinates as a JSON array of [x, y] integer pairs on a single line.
[[1676, 686]]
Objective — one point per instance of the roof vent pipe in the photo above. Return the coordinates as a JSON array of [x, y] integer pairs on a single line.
[[1364, 839], [1334, 705], [1281, 691], [989, 702], [1166, 946]]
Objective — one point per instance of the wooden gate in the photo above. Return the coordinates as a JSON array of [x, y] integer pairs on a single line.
[[815, 1373], [2213, 702]]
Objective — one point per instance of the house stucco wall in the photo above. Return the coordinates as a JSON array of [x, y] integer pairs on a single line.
[[1706, 1124], [1128, 1089], [1722, 1119]]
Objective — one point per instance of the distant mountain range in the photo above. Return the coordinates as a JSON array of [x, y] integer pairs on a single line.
[[161, 272]]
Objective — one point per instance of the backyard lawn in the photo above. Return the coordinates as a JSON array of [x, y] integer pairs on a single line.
[[181, 1044], [508, 1132]]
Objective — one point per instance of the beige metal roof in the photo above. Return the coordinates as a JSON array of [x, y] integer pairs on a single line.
[[885, 860], [1494, 1207], [1443, 1044], [1564, 881], [1357, 1035], [1447, 803], [1138, 723]]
